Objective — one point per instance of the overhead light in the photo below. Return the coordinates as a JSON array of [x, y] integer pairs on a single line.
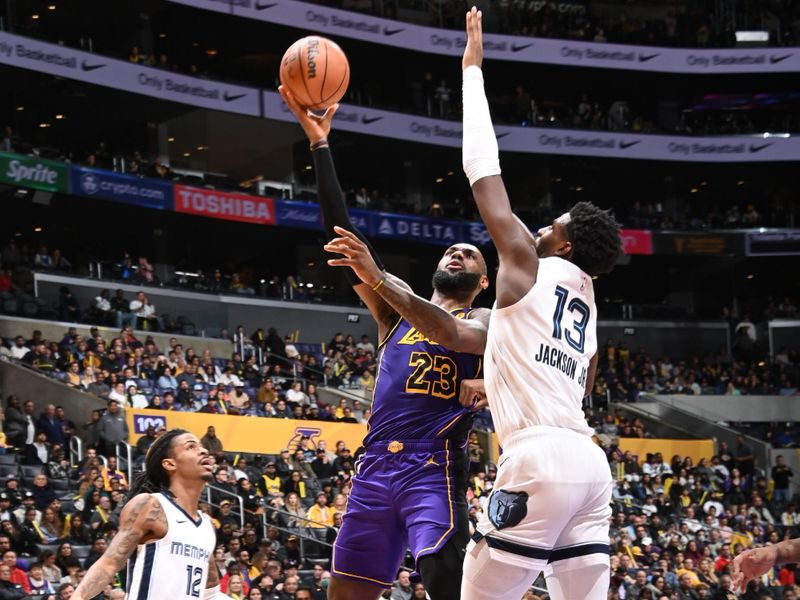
[[37, 229], [20, 108], [202, 147], [170, 139], [740, 182], [187, 154], [263, 281], [750, 276], [211, 52], [44, 125], [693, 191], [59, 117], [752, 36], [703, 183], [439, 179], [308, 167], [51, 7], [34, 16], [309, 285], [450, 173], [162, 35], [579, 188]]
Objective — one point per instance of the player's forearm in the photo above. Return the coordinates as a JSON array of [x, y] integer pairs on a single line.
[[481, 162], [96, 579], [480, 153], [332, 204], [787, 551], [432, 321], [329, 191]]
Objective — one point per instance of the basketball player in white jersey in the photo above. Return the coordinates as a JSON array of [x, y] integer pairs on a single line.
[[549, 508], [169, 542]]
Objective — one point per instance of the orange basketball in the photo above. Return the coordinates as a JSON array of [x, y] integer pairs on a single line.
[[316, 72]]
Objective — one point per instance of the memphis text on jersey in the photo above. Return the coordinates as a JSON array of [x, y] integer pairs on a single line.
[[558, 359], [189, 550]]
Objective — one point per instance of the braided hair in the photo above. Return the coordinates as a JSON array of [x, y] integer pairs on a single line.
[[154, 478]]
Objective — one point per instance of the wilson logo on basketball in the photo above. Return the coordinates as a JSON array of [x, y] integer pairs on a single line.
[[312, 53]]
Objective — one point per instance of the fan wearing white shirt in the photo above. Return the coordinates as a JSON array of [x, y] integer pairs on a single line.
[[296, 395]]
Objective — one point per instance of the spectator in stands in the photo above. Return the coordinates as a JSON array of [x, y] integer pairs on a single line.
[[781, 474], [68, 307], [144, 311], [18, 426], [112, 428], [10, 590], [121, 308], [6, 143], [51, 426], [37, 453], [19, 349], [100, 310], [211, 442], [296, 395], [402, 589], [111, 474]]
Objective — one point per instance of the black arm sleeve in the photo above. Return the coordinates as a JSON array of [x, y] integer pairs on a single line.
[[334, 209]]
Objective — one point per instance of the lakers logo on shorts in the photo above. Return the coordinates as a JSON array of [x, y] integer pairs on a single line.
[[507, 509], [395, 447]]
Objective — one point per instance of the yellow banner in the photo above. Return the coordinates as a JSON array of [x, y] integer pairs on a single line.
[[697, 449], [257, 435]]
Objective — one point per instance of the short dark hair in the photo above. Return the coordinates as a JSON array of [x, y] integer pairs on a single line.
[[594, 233]]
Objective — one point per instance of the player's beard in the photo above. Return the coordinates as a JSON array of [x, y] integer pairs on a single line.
[[461, 284]]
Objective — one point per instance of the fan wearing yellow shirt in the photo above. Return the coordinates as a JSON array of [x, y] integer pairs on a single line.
[[688, 569], [320, 513], [270, 482]]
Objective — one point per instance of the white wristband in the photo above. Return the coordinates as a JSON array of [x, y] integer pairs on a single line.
[[480, 155]]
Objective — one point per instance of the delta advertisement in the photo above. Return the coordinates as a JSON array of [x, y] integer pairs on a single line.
[[335, 22]]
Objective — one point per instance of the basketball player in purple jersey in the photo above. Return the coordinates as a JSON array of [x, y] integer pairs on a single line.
[[410, 484]]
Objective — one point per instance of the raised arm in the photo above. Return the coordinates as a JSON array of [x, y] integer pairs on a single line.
[[142, 520], [518, 259], [461, 335], [752, 564], [331, 200]]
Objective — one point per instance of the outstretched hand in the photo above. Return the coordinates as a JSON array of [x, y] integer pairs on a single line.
[[317, 127], [750, 565], [473, 51], [356, 256]]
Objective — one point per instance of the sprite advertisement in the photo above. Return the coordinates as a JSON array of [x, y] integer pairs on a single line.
[[33, 172]]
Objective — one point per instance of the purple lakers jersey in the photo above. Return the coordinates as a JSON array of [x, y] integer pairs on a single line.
[[417, 386]]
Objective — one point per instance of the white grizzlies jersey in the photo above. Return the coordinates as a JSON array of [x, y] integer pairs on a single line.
[[538, 352], [176, 566]]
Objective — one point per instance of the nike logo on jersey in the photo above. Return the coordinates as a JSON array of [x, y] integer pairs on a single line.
[[179, 521]]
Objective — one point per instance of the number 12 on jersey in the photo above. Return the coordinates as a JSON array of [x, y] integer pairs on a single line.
[[580, 312], [194, 575]]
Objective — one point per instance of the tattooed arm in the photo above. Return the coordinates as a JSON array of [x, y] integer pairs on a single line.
[[213, 573], [142, 520]]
